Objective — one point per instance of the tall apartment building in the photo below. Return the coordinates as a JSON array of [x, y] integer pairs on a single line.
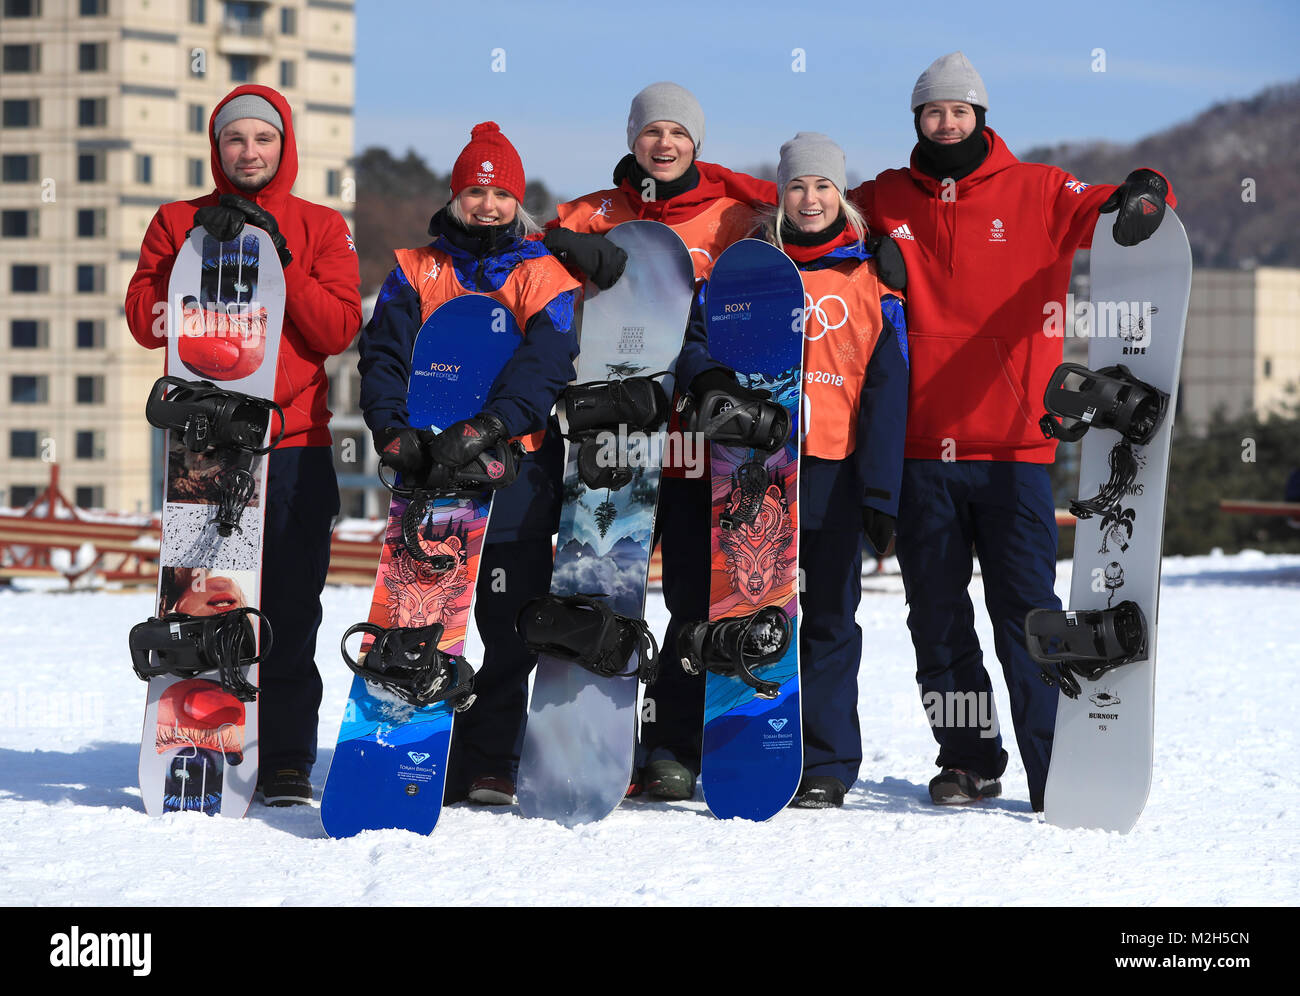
[[105, 106]]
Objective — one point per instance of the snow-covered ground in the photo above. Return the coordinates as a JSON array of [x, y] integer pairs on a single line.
[[1220, 826]]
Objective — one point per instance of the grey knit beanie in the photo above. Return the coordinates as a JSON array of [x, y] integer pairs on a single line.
[[811, 153], [950, 77], [666, 102], [247, 105]]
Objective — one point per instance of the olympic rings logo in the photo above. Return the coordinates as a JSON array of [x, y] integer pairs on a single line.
[[817, 311]]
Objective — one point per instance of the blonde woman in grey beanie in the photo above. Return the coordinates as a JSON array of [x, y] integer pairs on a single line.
[[851, 463], [988, 241]]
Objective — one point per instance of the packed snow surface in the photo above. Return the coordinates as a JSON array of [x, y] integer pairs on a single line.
[[1220, 826]]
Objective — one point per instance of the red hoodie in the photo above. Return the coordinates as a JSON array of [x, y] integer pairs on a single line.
[[988, 263], [322, 312]]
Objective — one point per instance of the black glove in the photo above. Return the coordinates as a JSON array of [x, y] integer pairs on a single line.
[[594, 255], [226, 219], [722, 379], [889, 261], [403, 448], [879, 528], [462, 441], [1140, 200]]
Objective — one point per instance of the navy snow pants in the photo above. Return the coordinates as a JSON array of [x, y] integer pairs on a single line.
[[1005, 510], [302, 499], [672, 712]]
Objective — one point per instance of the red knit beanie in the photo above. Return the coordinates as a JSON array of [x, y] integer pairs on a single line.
[[488, 161]]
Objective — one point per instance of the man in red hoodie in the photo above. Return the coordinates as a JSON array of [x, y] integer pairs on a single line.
[[988, 243], [254, 165]]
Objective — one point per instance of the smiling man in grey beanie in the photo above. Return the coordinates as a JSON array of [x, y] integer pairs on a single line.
[[988, 242]]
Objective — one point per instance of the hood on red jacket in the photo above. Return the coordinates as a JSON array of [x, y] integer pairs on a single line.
[[275, 194]]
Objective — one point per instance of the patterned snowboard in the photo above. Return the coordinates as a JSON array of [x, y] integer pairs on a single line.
[[1103, 750], [752, 758], [198, 751], [578, 748], [390, 763]]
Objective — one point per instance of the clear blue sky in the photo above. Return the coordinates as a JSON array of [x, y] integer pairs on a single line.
[[425, 72]]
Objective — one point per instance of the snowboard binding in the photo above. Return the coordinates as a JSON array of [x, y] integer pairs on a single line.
[[583, 629], [598, 409], [491, 470], [208, 417], [186, 646], [1086, 642], [406, 661], [1078, 399], [734, 647], [761, 426]]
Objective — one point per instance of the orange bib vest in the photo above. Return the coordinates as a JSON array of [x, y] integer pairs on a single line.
[[842, 324], [529, 288], [719, 225]]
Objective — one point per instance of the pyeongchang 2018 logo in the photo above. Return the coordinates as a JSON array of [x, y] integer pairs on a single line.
[[826, 314]]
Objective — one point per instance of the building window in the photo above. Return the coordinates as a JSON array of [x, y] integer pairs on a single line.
[[198, 120], [94, 8], [89, 496], [24, 444], [288, 21], [90, 333], [28, 333], [331, 183], [89, 444], [144, 169], [241, 68], [22, 495], [288, 73], [21, 59], [90, 223], [198, 174], [29, 389], [92, 57], [92, 112], [198, 12], [21, 113], [91, 167], [19, 224], [90, 389], [22, 8], [18, 169], [90, 278], [29, 278]]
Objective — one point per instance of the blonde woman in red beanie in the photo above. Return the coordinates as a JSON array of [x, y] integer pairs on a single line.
[[480, 246]]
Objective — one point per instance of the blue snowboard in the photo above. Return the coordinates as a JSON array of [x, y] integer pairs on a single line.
[[390, 764], [752, 758]]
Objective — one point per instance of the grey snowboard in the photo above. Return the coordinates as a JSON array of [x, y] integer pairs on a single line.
[[1102, 754]]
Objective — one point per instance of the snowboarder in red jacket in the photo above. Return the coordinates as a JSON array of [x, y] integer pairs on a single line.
[[254, 164], [988, 243]]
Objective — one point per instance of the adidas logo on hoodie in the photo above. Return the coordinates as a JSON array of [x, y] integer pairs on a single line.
[[902, 232]]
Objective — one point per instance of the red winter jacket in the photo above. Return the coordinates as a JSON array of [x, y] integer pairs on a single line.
[[322, 312], [987, 265]]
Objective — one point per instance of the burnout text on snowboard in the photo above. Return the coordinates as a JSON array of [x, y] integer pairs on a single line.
[[578, 748], [200, 651], [1102, 752], [752, 757], [390, 763]]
